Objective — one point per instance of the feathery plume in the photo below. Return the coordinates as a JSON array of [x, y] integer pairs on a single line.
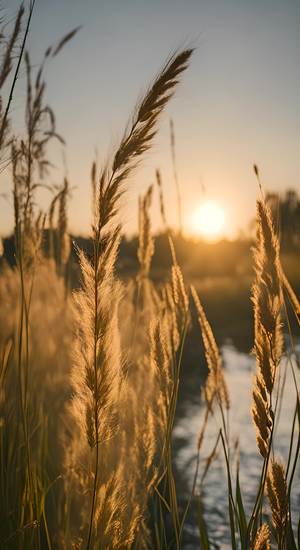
[[216, 385], [94, 188], [138, 137], [261, 417], [180, 296], [6, 65], [175, 175], [267, 297], [267, 300], [64, 246], [278, 497], [97, 367], [52, 230], [161, 198], [262, 539], [65, 40], [146, 243]]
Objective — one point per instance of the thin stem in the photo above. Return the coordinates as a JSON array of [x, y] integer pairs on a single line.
[[292, 440], [175, 175], [231, 503], [136, 315], [296, 453], [95, 483], [23, 390]]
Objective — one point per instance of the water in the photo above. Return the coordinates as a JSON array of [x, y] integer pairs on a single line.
[[239, 370]]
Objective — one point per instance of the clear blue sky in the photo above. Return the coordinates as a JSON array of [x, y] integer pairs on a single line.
[[238, 103]]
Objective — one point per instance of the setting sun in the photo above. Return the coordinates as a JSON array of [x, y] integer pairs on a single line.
[[208, 220]]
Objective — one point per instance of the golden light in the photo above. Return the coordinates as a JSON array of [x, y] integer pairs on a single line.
[[208, 220]]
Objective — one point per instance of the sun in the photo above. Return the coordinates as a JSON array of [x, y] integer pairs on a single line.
[[208, 220]]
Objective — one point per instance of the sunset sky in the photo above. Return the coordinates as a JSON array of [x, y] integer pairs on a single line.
[[238, 103]]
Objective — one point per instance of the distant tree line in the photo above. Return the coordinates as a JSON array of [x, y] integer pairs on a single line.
[[197, 258], [286, 212]]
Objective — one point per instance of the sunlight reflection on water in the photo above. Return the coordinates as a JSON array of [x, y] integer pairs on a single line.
[[239, 370]]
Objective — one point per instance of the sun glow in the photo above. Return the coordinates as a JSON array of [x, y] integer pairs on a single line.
[[208, 220]]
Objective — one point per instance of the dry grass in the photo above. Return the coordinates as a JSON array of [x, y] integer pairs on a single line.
[[262, 539], [90, 380]]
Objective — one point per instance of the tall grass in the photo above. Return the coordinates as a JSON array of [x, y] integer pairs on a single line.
[[89, 380]]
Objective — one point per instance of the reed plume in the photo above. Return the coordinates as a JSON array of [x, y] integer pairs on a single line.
[[139, 134], [278, 498], [59, 239], [97, 362], [175, 175], [94, 187], [7, 59], [161, 365], [146, 244], [215, 389], [137, 449], [268, 340], [52, 229], [63, 41], [179, 293], [261, 416], [28, 168], [267, 300], [262, 539], [29, 156], [216, 385], [6, 68], [166, 339], [64, 245], [161, 199], [267, 297], [141, 292], [30, 165], [143, 425]]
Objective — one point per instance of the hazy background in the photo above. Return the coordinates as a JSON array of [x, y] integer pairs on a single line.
[[238, 102]]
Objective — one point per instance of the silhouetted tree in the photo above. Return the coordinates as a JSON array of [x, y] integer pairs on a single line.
[[286, 212]]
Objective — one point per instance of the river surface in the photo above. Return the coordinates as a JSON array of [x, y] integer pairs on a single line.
[[239, 371]]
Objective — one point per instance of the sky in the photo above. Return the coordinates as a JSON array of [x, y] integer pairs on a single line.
[[238, 103]]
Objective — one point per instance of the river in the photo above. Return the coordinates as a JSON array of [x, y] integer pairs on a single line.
[[239, 371]]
